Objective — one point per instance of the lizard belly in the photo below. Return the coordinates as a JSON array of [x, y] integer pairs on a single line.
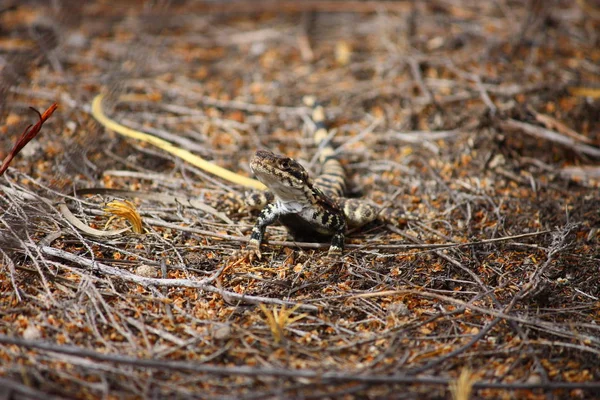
[[304, 230], [312, 225]]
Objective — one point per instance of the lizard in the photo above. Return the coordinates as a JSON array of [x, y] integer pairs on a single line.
[[309, 209]]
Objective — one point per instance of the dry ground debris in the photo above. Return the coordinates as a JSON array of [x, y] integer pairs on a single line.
[[479, 118]]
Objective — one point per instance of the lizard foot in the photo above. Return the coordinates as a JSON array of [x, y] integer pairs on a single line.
[[252, 251], [334, 253]]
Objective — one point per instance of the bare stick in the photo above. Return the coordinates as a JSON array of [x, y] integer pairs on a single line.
[[552, 136], [281, 372], [203, 284]]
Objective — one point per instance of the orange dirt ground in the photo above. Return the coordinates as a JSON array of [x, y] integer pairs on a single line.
[[480, 119]]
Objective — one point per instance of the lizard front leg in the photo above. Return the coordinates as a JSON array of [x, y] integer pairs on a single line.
[[267, 216]]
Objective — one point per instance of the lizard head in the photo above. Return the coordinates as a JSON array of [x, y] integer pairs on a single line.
[[285, 177]]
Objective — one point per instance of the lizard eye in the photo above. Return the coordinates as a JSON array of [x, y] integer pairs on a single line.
[[292, 167], [285, 164]]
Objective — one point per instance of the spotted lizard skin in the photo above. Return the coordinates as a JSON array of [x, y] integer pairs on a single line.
[[311, 210]]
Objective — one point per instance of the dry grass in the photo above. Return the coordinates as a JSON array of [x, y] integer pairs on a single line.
[[479, 118], [279, 319], [462, 388]]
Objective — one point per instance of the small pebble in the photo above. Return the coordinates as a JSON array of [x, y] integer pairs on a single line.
[[222, 333], [147, 271], [31, 333]]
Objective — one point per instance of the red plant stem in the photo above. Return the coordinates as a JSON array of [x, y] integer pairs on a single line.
[[30, 132]]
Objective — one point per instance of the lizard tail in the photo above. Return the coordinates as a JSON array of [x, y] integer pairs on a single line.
[[332, 180]]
